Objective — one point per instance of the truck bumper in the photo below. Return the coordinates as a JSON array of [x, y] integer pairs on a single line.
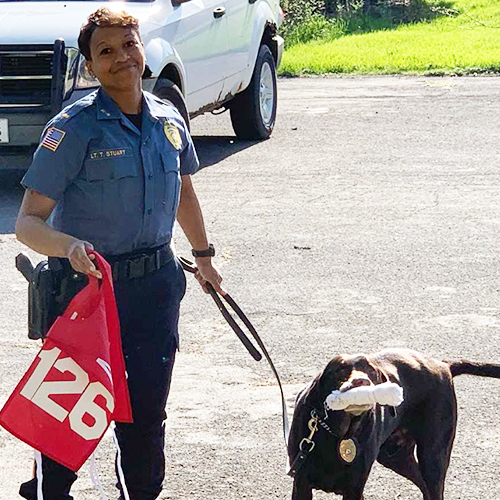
[[280, 47], [31, 92], [24, 131]]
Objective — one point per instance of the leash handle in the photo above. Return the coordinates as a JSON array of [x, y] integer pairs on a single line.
[[232, 323], [190, 267]]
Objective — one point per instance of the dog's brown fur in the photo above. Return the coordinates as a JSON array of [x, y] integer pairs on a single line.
[[425, 423]]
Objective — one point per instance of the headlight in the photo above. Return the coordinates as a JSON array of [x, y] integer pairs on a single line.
[[77, 77], [281, 17], [72, 56], [84, 80]]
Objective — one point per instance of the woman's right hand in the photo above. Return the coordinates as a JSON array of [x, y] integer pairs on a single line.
[[80, 260]]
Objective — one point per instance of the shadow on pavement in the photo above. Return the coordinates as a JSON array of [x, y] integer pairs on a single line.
[[11, 193], [212, 150]]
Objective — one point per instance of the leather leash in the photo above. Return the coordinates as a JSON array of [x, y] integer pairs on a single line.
[[191, 268]]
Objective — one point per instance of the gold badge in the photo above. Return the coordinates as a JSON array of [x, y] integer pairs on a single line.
[[172, 134], [347, 450]]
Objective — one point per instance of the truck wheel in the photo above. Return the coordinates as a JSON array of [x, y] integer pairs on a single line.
[[253, 111], [170, 93]]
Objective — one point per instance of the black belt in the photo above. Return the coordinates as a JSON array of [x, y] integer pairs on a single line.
[[138, 265]]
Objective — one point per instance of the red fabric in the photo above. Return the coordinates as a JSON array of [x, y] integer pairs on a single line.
[[77, 384]]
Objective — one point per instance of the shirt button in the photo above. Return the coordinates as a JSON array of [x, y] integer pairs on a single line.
[[150, 176], [150, 211]]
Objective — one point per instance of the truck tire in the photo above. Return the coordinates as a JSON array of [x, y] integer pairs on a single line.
[[253, 111], [170, 93]]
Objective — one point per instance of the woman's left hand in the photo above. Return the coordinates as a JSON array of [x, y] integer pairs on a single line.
[[208, 273]]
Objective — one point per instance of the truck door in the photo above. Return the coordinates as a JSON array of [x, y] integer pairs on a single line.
[[240, 24], [198, 31]]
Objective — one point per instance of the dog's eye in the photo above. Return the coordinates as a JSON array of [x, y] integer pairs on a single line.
[[344, 373]]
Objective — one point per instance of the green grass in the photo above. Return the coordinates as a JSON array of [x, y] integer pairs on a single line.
[[466, 43]]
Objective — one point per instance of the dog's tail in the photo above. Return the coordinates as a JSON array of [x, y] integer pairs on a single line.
[[464, 367]]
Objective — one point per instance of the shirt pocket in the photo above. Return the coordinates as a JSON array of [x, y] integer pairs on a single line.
[[118, 182], [172, 180], [112, 169]]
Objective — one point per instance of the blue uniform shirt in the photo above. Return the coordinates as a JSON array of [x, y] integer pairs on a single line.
[[114, 187]]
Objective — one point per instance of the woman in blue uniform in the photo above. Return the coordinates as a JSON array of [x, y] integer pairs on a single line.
[[113, 172]]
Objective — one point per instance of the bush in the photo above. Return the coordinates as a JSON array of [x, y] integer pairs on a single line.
[[300, 13], [314, 27], [297, 11], [400, 11], [307, 20]]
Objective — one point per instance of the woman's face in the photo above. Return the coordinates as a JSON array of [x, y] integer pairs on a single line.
[[118, 58]]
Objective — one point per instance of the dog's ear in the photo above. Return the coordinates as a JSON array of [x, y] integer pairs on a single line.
[[305, 393], [333, 374], [306, 400], [313, 397]]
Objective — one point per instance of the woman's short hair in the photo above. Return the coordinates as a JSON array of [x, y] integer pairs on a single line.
[[100, 18]]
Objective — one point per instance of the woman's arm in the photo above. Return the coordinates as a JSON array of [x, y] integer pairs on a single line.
[[33, 231], [190, 218]]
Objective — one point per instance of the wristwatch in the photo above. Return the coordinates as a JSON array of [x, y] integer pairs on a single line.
[[209, 252]]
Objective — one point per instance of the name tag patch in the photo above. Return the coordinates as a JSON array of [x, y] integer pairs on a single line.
[[104, 154]]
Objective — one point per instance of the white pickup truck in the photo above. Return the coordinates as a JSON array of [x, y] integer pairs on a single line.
[[202, 55]]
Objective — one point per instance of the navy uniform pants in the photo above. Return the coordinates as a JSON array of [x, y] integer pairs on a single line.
[[149, 311]]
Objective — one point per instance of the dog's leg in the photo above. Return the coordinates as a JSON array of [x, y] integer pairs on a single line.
[[355, 487], [435, 443], [434, 473], [301, 489], [354, 495], [398, 454]]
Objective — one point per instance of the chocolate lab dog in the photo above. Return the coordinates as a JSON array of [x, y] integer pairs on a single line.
[[334, 451]]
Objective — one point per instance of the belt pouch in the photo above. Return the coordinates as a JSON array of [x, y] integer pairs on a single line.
[[41, 303]]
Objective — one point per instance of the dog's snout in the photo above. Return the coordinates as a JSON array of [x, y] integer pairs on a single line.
[[358, 382], [355, 382]]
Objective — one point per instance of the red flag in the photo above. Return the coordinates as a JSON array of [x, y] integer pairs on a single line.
[[76, 386]]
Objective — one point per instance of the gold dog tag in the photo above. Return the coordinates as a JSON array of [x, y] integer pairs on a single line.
[[347, 450]]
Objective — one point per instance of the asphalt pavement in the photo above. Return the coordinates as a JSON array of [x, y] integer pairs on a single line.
[[370, 219]]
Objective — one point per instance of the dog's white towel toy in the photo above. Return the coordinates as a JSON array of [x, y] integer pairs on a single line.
[[388, 394]]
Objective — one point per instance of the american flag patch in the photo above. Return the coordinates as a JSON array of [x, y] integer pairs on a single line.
[[53, 138]]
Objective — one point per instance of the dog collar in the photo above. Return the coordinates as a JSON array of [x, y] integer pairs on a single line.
[[347, 449]]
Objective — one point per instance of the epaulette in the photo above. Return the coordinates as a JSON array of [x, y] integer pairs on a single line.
[[153, 97], [74, 109], [167, 110], [159, 101]]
